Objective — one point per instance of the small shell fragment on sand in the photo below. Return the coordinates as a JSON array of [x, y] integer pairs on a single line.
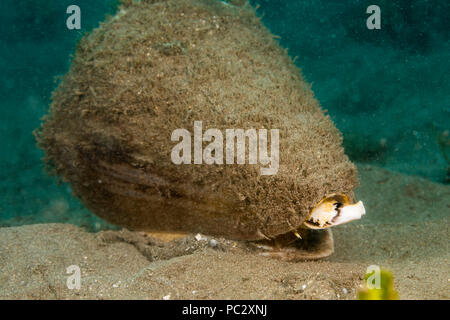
[[199, 237]]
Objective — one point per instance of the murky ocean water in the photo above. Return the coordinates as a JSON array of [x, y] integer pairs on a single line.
[[386, 89]]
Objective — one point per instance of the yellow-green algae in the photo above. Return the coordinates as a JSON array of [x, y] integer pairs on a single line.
[[386, 290]]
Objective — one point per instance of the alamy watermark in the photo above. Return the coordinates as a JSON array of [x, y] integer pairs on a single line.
[[74, 20], [374, 280], [74, 280], [235, 147], [374, 20]]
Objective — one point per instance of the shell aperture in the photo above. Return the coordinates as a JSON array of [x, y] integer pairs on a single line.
[[334, 210]]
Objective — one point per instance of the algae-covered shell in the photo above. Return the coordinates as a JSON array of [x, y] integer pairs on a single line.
[[158, 66]]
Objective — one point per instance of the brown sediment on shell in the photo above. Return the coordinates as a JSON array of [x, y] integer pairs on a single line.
[[160, 66]]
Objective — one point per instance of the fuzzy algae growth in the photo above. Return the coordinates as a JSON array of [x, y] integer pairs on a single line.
[[159, 66]]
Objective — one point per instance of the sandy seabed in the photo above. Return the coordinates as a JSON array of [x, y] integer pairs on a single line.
[[405, 230]]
